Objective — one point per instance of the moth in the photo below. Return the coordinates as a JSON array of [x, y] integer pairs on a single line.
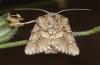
[[51, 34]]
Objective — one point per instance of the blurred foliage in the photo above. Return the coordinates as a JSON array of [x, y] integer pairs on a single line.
[[6, 31], [61, 3]]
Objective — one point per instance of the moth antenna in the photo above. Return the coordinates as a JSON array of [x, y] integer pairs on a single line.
[[72, 10], [33, 9]]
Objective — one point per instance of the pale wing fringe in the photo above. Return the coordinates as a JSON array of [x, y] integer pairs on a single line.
[[41, 46]]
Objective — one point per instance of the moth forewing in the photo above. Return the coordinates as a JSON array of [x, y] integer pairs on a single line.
[[59, 34], [31, 48], [38, 38], [69, 38], [65, 23], [52, 34], [41, 20], [35, 36], [73, 49], [36, 28], [32, 45], [60, 45], [45, 34], [64, 20]]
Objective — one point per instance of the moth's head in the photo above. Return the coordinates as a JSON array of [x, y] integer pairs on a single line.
[[52, 21]]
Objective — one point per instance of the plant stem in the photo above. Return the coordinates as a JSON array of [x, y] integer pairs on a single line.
[[89, 32], [23, 42], [13, 44]]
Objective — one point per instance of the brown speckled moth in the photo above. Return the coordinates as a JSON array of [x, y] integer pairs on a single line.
[[51, 34]]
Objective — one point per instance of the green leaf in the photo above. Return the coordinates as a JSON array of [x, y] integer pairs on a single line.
[[6, 31], [4, 16]]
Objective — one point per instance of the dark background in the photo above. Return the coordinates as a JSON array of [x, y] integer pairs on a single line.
[[78, 20]]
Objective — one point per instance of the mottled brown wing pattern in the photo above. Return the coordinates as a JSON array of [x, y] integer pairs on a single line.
[[65, 41], [52, 34]]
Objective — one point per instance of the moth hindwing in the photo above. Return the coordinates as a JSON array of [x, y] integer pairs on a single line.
[[51, 34]]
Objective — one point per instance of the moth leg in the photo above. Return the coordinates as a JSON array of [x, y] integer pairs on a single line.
[[32, 21], [22, 24], [16, 21]]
